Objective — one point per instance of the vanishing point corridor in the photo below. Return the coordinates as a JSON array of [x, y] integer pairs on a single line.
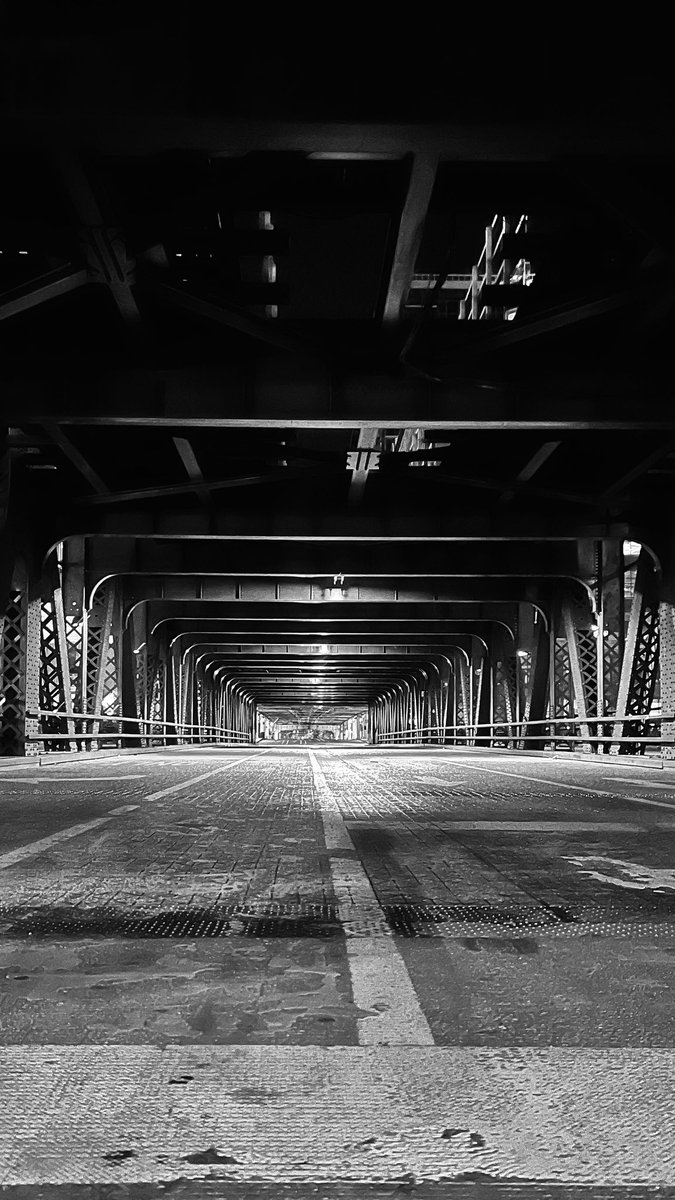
[[337, 605], [375, 969]]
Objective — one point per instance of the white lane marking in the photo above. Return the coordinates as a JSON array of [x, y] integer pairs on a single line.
[[32, 848], [562, 1117], [643, 784], [535, 827], [380, 981], [626, 874], [576, 787], [180, 787], [124, 808], [73, 779]]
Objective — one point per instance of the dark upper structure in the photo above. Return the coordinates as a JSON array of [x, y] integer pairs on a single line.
[[358, 355]]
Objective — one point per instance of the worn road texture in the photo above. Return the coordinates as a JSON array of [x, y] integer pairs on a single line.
[[336, 973]]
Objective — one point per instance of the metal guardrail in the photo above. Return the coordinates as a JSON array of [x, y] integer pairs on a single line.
[[512, 731], [153, 729]]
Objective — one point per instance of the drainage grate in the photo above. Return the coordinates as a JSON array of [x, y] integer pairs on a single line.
[[327, 920], [258, 921]]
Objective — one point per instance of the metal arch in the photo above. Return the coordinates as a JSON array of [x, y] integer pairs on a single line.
[[451, 621]]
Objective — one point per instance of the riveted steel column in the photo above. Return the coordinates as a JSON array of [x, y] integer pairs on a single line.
[[482, 683], [20, 665], [639, 669], [582, 652], [611, 622]]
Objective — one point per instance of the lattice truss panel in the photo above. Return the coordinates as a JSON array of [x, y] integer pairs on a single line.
[[55, 684], [155, 690], [644, 677], [588, 663], [505, 697], [13, 667], [463, 715], [612, 649], [103, 692], [75, 632], [561, 701]]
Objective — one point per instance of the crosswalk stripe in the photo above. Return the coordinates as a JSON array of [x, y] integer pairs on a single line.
[[353, 1114]]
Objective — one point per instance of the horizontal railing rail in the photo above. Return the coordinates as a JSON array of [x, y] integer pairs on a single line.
[[547, 729], [151, 728]]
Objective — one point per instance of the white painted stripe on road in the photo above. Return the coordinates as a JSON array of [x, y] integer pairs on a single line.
[[535, 827], [180, 787], [124, 808], [72, 779], [33, 848], [392, 1117], [63, 835], [380, 981], [643, 784], [576, 787]]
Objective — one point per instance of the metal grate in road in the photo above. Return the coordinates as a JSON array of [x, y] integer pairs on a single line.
[[326, 920]]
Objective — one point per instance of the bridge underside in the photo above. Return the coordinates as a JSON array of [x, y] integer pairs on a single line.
[[337, 603]]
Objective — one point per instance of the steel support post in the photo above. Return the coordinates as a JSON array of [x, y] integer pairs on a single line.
[[505, 689], [100, 656], [20, 665], [582, 653], [128, 689], [639, 669], [611, 622], [537, 686], [482, 672]]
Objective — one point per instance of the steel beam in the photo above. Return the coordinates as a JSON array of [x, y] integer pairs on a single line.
[[220, 136], [399, 560], [639, 668], [409, 237], [47, 287], [245, 590], [76, 458], [192, 467], [280, 395]]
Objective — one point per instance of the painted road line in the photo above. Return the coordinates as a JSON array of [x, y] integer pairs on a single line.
[[640, 783], [575, 787], [380, 981], [524, 1118], [33, 848], [535, 827], [180, 787], [73, 779], [124, 808]]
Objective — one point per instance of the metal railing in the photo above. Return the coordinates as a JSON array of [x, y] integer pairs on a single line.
[[151, 730], [551, 730]]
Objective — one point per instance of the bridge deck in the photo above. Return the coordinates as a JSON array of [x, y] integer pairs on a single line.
[[345, 971]]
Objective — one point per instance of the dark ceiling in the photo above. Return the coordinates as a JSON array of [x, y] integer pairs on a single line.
[[214, 272]]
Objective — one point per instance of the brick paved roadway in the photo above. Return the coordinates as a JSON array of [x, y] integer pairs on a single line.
[[434, 903]]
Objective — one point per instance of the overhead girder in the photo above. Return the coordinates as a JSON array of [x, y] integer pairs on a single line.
[[305, 654], [299, 394], [298, 522], [313, 619], [281, 592], [130, 555], [140, 589], [151, 134]]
